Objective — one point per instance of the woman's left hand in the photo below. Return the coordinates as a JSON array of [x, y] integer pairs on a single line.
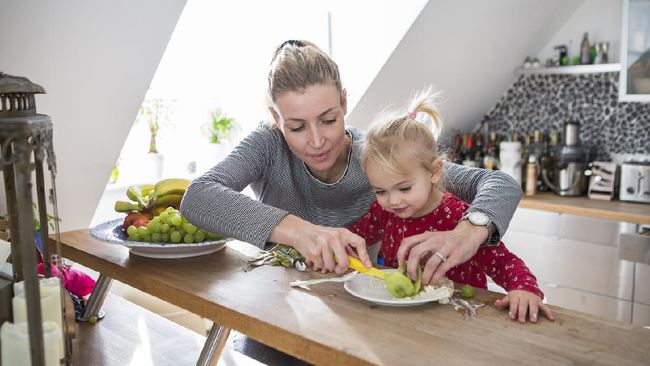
[[455, 246], [524, 303]]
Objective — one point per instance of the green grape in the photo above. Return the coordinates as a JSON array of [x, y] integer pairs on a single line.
[[132, 230], [163, 216], [156, 219], [143, 230], [150, 225], [164, 237], [135, 237], [189, 228], [170, 209], [146, 237], [175, 237], [177, 221], [185, 221], [213, 236], [156, 237], [199, 236], [156, 227], [164, 228], [182, 232], [467, 291], [188, 238]]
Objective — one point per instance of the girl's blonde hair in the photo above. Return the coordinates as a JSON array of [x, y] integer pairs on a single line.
[[297, 64], [398, 139]]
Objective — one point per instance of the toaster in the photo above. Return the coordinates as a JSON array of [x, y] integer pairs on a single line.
[[635, 182]]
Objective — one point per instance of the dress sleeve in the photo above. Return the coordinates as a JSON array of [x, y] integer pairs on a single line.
[[506, 269], [491, 192], [369, 226], [213, 201]]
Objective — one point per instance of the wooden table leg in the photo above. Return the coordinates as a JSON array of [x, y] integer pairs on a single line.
[[214, 345]]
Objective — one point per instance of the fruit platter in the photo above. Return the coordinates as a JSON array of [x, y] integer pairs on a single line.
[[153, 225]]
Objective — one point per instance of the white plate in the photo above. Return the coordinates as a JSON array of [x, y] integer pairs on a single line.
[[374, 290], [111, 232]]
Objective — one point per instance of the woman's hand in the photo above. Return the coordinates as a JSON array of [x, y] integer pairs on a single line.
[[524, 303], [325, 247], [456, 246]]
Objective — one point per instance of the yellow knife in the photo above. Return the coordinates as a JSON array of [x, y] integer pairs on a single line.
[[356, 265]]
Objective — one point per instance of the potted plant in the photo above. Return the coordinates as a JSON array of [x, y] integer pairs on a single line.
[[156, 113], [218, 131]]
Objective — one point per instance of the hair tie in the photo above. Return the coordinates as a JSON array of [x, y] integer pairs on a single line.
[[412, 114]]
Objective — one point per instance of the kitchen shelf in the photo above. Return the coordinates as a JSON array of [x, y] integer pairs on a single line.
[[130, 334], [638, 213], [573, 69]]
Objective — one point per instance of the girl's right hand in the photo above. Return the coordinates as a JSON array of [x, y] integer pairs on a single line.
[[325, 247]]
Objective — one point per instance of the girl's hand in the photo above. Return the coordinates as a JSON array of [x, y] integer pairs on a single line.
[[325, 247], [522, 303], [456, 246]]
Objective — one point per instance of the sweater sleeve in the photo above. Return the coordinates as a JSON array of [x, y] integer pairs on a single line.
[[213, 201], [506, 269], [491, 192], [369, 226]]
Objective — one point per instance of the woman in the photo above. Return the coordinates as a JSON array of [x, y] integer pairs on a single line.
[[304, 169]]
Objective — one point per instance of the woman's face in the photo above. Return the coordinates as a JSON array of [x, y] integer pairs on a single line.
[[313, 126]]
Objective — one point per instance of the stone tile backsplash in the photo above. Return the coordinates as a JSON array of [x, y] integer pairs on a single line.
[[547, 101]]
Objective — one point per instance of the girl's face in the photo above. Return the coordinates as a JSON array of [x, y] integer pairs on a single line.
[[313, 126], [407, 196]]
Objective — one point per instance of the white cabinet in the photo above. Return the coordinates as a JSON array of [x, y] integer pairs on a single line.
[[576, 261], [635, 52]]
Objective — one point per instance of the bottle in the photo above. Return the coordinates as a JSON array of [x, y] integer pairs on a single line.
[[525, 153], [510, 158], [531, 176], [543, 159], [585, 50]]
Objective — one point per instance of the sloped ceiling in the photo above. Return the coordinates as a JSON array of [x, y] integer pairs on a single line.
[[468, 49]]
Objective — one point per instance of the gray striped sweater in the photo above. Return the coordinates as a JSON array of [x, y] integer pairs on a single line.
[[283, 185]]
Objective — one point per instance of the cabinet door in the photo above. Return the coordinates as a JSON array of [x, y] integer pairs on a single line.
[[635, 52], [641, 315]]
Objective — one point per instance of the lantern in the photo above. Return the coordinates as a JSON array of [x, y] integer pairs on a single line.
[[24, 135]]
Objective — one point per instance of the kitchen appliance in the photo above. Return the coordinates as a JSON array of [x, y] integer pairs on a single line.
[[570, 162], [635, 182], [510, 157], [602, 184]]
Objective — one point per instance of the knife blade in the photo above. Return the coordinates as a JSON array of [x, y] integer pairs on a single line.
[[356, 265]]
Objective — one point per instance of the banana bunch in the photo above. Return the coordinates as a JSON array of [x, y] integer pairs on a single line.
[[154, 198], [400, 285]]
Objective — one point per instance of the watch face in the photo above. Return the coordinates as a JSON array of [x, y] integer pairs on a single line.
[[478, 218]]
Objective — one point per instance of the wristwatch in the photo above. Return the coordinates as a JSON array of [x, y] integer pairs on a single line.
[[480, 219]]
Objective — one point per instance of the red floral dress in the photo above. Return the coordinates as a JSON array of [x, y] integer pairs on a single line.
[[505, 268]]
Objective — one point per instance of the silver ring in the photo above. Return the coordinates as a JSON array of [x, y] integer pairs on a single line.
[[442, 257]]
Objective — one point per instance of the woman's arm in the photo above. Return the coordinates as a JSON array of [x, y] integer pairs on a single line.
[[213, 201], [491, 192]]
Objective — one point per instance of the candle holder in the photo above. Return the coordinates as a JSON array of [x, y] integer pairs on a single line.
[[24, 135]]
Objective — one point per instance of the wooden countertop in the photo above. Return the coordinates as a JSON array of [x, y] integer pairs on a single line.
[[610, 210], [331, 327]]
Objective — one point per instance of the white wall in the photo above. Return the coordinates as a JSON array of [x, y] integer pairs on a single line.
[[602, 19], [469, 49], [95, 60]]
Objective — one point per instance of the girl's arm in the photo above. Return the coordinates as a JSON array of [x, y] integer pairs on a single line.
[[369, 226]]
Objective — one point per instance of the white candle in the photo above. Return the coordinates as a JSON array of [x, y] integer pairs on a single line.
[[14, 338], [51, 310]]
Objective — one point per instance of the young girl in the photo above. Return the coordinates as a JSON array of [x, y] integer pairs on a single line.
[[405, 170]]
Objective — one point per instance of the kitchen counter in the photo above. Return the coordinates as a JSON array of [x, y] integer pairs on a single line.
[[638, 213]]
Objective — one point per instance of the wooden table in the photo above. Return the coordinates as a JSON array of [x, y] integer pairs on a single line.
[[328, 326]]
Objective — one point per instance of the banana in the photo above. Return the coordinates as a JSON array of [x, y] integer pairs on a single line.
[[139, 193], [122, 206], [168, 200], [170, 186], [398, 284]]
